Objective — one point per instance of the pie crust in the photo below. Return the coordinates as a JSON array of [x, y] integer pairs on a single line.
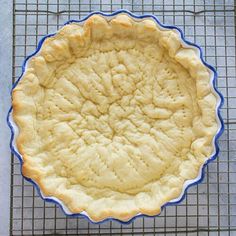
[[114, 116]]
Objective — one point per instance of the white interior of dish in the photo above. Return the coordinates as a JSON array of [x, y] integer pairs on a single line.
[[188, 182]]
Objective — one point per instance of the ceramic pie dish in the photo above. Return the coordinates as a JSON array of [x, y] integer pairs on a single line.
[[115, 116]]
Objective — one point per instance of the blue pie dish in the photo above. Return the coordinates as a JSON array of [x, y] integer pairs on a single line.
[[188, 183]]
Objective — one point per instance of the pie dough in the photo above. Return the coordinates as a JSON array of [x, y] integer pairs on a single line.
[[114, 116]]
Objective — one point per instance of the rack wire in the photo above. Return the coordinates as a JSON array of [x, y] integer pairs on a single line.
[[209, 208]]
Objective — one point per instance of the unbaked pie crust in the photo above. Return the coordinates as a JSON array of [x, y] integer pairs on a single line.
[[114, 116]]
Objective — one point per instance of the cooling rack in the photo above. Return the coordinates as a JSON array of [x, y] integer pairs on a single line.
[[209, 208]]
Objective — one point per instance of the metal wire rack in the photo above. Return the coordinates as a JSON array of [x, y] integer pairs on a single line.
[[209, 208]]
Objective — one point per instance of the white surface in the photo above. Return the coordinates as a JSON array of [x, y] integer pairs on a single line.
[[207, 205], [5, 87]]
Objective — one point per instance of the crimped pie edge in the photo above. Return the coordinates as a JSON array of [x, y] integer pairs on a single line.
[[220, 126]]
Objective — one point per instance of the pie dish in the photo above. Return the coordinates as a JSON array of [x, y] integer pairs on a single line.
[[114, 116]]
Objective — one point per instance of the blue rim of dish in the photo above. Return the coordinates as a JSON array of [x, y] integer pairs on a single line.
[[216, 137]]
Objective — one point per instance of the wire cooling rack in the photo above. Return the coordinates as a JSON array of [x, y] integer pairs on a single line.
[[209, 208]]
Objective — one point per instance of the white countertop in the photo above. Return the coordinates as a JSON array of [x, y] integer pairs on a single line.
[[5, 100], [5, 87]]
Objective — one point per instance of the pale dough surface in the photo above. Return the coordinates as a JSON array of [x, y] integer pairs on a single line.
[[114, 116]]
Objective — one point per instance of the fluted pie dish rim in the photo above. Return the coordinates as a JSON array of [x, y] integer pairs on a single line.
[[220, 127]]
